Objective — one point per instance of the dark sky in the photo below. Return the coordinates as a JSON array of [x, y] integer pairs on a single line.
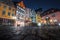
[[44, 4]]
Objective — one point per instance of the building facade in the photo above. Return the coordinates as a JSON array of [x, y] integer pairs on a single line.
[[38, 15], [38, 18], [33, 16], [7, 12], [28, 15], [20, 14], [53, 15]]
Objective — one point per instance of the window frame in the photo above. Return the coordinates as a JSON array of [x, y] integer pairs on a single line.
[[13, 14], [3, 12], [9, 14]]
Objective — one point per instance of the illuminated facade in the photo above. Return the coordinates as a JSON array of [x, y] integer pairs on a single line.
[[27, 14], [38, 15], [30, 15], [7, 12], [53, 14], [38, 18], [33, 15], [20, 14]]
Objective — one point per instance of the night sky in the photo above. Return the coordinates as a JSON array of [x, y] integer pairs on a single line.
[[44, 4]]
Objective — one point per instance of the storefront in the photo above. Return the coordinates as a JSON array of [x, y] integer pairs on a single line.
[[6, 21]]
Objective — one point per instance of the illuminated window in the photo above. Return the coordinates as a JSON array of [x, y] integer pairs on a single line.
[[13, 14], [3, 13], [9, 13]]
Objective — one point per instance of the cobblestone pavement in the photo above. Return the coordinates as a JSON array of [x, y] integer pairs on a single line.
[[8, 33], [17, 33]]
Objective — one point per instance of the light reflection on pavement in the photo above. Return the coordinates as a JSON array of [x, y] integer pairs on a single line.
[[13, 33]]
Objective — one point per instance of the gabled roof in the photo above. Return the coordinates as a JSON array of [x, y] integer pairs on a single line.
[[49, 11], [21, 4]]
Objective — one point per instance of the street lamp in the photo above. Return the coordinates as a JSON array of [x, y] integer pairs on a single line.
[[39, 24], [59, 24]]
